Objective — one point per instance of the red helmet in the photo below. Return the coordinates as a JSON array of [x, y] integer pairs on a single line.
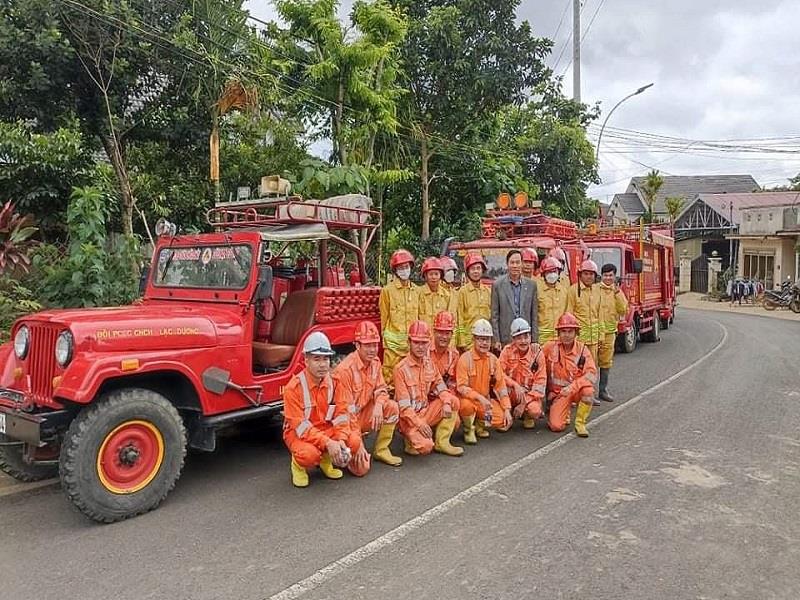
[[529, 255], [589, 265], [419, 331], [567, 321], [550, 264], [401, 257], [474, 259], [444, 321], [448, 264], [367, 333], [432, 264], [558, 254]]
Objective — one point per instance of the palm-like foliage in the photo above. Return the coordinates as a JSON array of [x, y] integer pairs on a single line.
[[15, 239], [652, 184]]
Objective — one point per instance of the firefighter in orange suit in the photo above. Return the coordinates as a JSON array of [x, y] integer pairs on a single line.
[[481, 386], [571, 376], [583, 301], [316, 426], [434, 295], [530, 260], [423, 398], [399, 307], [473, 301], [371, 409], [526, 374], [443, 355], [552, 298]]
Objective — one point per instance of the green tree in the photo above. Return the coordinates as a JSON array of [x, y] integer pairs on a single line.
[[674, 205], [650, 188]]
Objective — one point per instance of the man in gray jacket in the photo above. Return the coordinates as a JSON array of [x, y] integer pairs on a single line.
[[513, 296]]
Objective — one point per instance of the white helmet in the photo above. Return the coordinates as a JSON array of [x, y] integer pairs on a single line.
[[482, 328], [519, 326], [319, 344]]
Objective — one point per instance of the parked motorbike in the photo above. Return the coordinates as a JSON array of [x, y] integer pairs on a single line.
[[787, 297]]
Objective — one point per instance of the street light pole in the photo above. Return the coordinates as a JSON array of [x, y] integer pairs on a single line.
[[631, 95]]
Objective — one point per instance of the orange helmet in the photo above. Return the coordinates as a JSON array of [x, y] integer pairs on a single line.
[[550, 264], [558, 254], [444, 321], [419, 331], [367, 333], [589, 265], [567, 321], [400, 257], [474, 259], [448, 264], [529, 255], [432, 264]]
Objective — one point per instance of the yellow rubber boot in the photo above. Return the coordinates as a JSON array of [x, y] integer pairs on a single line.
[[469, 430], [299, 475], [528, 422], [327, 468], [408, 448], [480, 429], [442, 438], [581, 415], [382, 451]]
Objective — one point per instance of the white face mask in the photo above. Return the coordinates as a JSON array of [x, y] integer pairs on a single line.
[[551, 277], [449, 276], [404, 273]]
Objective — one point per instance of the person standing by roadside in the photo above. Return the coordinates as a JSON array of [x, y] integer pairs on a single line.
[[473, 301], [583, 301], [613, 305], [552, 299], [399, 307], [451, 279], [513, 297], [530, 262], [434, 296]]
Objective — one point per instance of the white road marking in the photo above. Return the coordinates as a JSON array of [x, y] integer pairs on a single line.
[[358, 555]]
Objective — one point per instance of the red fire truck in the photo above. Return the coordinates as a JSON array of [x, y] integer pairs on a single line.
[[110, 398]]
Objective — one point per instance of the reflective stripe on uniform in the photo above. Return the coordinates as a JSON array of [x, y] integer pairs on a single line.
[[305, 424], [561, 382], [404, 403], [302, 427], [341, 419], [538, 388]]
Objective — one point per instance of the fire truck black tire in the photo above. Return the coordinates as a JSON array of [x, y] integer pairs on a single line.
[[665, 323], [654, 335], [630, 338], [12, 463], [94, 431]]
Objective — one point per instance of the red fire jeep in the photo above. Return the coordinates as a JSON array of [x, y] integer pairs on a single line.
[[110, 398]]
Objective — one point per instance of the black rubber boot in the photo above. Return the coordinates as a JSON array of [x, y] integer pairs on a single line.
[[604, 395]]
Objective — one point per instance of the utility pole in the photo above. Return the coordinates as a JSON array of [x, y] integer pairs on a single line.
[[576, 50]]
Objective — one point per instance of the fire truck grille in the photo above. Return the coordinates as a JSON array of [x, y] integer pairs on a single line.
[[42, 360]]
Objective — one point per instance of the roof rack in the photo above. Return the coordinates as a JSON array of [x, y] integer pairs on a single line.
[[657, 233], [290, 210], [507, 224]]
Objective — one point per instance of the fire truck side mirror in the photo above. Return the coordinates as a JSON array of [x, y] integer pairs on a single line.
[[637, 265], [264, 289], [143, 277]]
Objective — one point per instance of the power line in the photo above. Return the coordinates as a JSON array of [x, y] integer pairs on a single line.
[[585, 32]]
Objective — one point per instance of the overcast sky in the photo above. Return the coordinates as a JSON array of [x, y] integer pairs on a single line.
[[723, 70]]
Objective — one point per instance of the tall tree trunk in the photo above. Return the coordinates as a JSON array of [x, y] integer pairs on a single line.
[[213, 147], [341, 147], [424, 155], [114, 152]]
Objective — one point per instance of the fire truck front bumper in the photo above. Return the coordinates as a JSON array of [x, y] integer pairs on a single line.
[[32, 428]]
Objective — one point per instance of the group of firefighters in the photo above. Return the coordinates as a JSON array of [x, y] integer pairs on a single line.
[[438, 358]]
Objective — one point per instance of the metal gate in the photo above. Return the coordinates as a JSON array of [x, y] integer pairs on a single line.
[[700, 274]]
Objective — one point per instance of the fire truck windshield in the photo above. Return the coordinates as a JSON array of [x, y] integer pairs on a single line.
[[215, 267], [495, 261], [602, 256]]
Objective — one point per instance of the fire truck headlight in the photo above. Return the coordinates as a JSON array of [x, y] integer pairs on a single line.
[[64, 346], [22, 342]]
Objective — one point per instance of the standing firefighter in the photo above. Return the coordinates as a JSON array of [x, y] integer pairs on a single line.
[[316, 426], [399, 306], [481, 385], [571, 376], [371, 409], [424, 399], [583, 302], [552, 299], [443, 354], [434, 296], [451, 279], [560, 257], [526, 374], [473, 301], [613, 305], [530, 261]]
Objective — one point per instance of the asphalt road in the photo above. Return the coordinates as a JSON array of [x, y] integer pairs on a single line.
[[687, 491]]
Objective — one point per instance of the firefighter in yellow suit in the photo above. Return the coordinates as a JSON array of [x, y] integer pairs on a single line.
[[434, 295], [399, 306], [583, 301], [552, 299], [473, 301], [613, 305]]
